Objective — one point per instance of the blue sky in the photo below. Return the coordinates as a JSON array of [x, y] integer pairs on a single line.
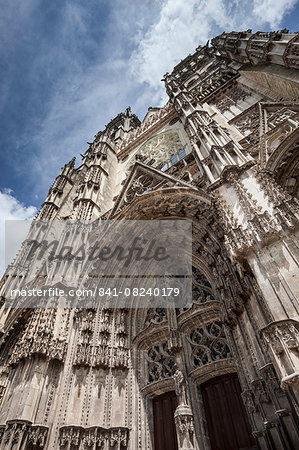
[[69, 66]]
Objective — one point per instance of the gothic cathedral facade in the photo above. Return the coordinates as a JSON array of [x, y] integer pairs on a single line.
[[222, 374]]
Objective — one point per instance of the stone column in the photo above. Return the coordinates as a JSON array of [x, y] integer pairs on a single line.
[[184, 427]]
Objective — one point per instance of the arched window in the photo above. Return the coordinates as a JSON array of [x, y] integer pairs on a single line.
[[182, 153], [174, 159]]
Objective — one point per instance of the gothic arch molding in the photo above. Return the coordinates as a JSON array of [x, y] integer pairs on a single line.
[[284, 163]]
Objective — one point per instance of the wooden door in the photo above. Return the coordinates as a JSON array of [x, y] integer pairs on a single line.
[[164, 427], [226, 416]]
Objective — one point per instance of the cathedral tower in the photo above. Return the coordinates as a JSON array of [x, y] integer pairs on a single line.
[[222, 373]]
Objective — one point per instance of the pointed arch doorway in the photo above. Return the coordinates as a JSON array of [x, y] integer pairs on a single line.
[[164, 407], [227, 421]]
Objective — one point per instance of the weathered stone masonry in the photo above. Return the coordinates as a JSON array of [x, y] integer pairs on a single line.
[[223, 152]]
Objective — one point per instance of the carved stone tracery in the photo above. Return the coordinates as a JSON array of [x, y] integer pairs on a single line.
[[208, 344], [93, 438], [161, 362], [97, 350], [231, 98]]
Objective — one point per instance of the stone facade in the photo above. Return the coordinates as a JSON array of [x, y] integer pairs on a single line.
[[222, 152]]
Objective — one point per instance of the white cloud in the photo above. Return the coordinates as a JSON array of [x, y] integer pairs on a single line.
[[175, 34], [272, 11], [11, 209], [182, 26]]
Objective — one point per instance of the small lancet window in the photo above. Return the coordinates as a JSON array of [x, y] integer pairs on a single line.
[[165, 167], [182, 153], [174, 159]]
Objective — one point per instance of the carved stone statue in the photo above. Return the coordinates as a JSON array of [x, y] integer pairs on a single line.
[[180, 387]]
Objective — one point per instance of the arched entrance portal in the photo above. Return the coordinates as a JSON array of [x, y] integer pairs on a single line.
[[193, 338]]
